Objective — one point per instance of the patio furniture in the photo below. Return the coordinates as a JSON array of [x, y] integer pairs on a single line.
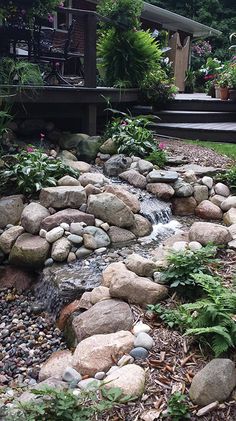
[[17, 32]]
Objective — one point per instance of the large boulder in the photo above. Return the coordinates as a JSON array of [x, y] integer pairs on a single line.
[[142, 226], [128, 198], [120, 236], [228, 203], [62, 197], [29, 251], [79, 166], [207, 210], [222, 189], [68, 216], [89, 147], [214, 382], [11, 208], [107, 207], [104, 317], [230, 217], [162, 191], [130, 379], [72, 140], [32, 217], [206, 232], [184, 206], [93, 178], [108, 147], [8, 238], [101, 239], [140, 265], [134, 178], [17, 278], [55, 365], [116, 165], [98, 352]]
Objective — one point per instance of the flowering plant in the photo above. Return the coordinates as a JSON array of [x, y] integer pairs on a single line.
[[201, 49], [27, 8]]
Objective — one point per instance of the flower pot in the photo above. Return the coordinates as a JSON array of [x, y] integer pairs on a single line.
[[217, 90], [232, 95], [224, 94]]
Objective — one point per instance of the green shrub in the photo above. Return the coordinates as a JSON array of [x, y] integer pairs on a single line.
[[19, 72], [32, 171], [157, 88], [209, 320], [125, 13], [63, 405], [157, 157], [229, 177], [177, 408], [126, 56]]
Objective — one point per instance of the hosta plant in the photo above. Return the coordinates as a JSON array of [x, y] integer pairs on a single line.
[[32, 170]]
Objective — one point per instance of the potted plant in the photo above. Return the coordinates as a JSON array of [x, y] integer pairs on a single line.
[[223, 82], [232, 82]]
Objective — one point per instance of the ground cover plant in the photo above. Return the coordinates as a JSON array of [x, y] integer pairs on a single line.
[[31, 170], [229, 177], [177, 408]]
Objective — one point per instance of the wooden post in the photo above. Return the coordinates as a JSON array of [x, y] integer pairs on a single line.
[[90, 63], [90, 122]]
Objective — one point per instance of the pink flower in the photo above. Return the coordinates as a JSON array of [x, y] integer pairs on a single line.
[[61, 4], [30, 149], [42, 136], [161, 146], [50, 18]]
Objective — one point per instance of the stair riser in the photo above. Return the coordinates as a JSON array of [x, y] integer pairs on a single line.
[[196, 134], [196, 118], [182, 105]]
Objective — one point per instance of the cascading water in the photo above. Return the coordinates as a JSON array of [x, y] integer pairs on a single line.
[[155, 210]]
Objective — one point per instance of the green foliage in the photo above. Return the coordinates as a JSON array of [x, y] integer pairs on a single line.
[[210, 319], [123, 13], [182, 265], [157, 157], [5, 118], [37, 7], [157, 88], [127, 56], [131, 134], [229, 177], [32, 171], [64, 405], [177, 408], [19, 72]]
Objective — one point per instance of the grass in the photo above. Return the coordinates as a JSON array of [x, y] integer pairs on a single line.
[[228, 149]]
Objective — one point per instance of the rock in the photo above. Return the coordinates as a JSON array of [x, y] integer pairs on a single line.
[[77, 228], [20, 280], [32, 216], [99, 294], [11, 208], [189, 176], [55, 365], [67, 180], [120, 236], [232, 244], [82, 252], [126, 285], [98, 352], [232, 230], [199, 170], [89, 147], [71, 141], [144, 166], [207, 210], [66, 312], [142, 226], [208, 181], [141, 327], [206, 232], [8, 238], [52, 382], [93, 178], [100, 375], [161, 176], [60, 249], [116, 165], [89, 384], [183, 206], [214, 382], [217, 200], [228, 203], [48, 262], [69, 216], [222, 189], [126, 359], [200, 193], [194, 245], [65, 226], [134, 178], [128, 198], [109, 147], [140, 265], [130, 379], [109, 208], [109, 272], [230, 217], [139, 353], [162, 191], [75, 239], [29, 251], [179, 246], [91, 189], [70, 375], [143, 340], [101, 239], [66, 155], [54, 234], [79, 166], [63, 197], [104, 317], [182, 189]]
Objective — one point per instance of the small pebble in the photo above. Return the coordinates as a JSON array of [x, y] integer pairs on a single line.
[[126, 359], [139, 353], [143, 340], [65, 226], [100, 375], [141, 327], [71, 375], [75, 239], [49, 262]]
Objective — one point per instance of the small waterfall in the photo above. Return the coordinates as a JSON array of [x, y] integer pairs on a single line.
[[155, 210]]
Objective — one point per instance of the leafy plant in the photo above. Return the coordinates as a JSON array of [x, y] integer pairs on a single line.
[[32, 171], [157, 157], [19, 72], [182, 265], [177, 408], [131, 134], [5, 118], [229, 177], [63, 405], [157, 88], [123, 13], [210, 320]]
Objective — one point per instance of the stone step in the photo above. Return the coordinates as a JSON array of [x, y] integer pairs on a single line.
[[173, 116]]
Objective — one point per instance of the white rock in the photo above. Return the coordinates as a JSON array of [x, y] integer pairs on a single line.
[[42, 233], [98, 222], [208, 181], [90, 383], [105, 226], [180, 246], [144, 340], [100, 375], [112, 369], [141, 327], [54, 234], [65, 226], [126, 359], [194, 245]]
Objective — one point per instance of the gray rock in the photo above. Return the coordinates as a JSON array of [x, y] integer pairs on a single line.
[[214, 382], [71, 141], [218, 200], [162, 176], [71, 375], [32, 217], [93, 178], [8, 238], [142, 226], [134, 178], [68, 155], [67, 180], [201, 193], [116, 165], [75, 239], [49, 262], [198, 169], [143, 340], [228, 203], [182, 189], [54, 234], [208, 181], [77, 228], [89, 147], [100, 375], [139, 353], [140, 265], [30, 251], [69, 216], [60, 249], [144, 166], [100, 237], [11, 208], [120, 236], [91, 384], [206, 232], [63, 197], [82, 252], [222, 189]]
